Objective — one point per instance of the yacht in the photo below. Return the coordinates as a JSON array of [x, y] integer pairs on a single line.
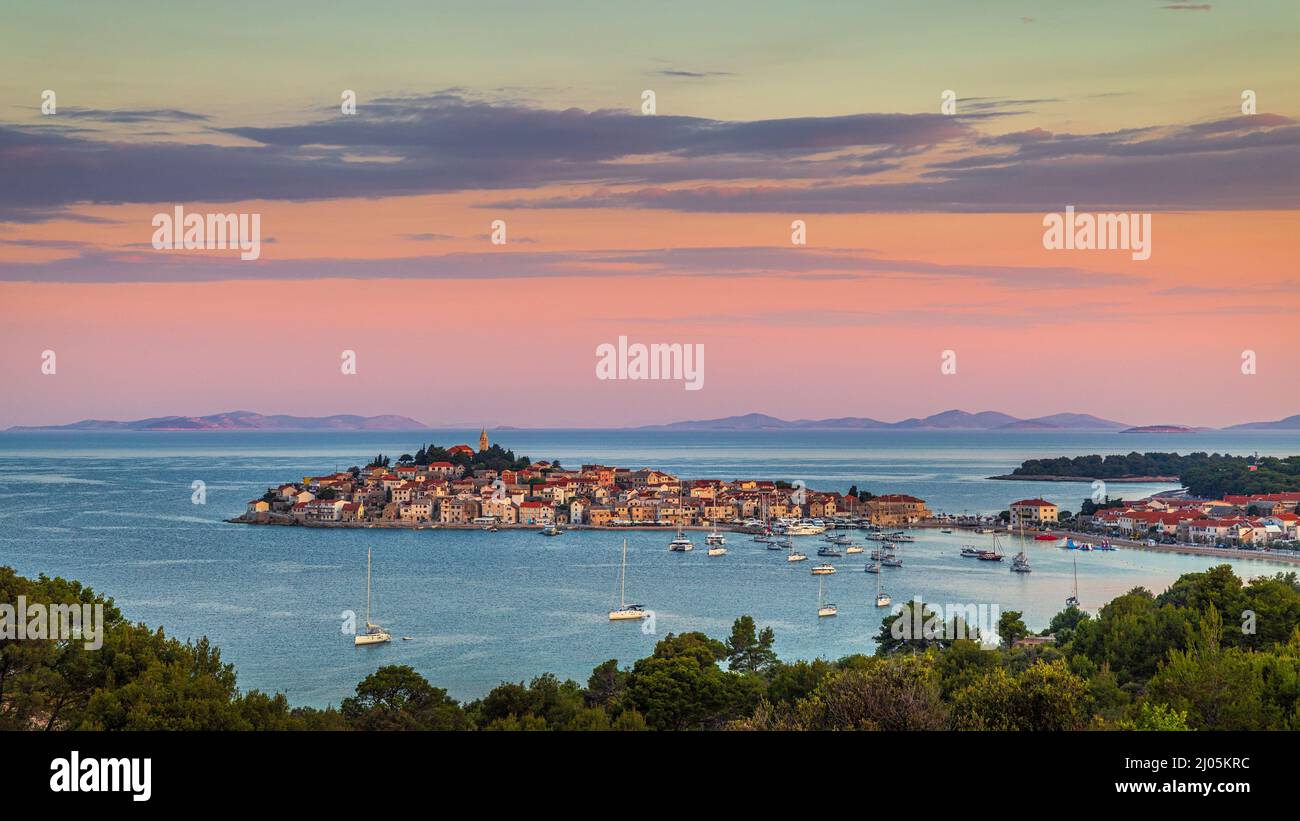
[[715, 548], [681, 544], [551, 530], [891, 561], [374, 633], [625, 611], [805, 529], [839, 539], [945, 530], [823, 570], [824, 609], [715, 538], [1020, 562], [796, 556], [853, 548], [872, 567], [969, 552], [882, 598], [829, 552]]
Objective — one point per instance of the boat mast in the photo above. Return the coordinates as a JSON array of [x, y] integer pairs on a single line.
[[622, 578], [367, 587]]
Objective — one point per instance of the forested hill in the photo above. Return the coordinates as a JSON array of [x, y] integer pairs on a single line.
[[1209, 476]]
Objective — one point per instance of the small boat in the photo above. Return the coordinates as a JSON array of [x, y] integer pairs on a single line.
[[765, 536], [994, 555], [625, 611], [891, 561], [681, 544], [715, 538], [408, 638], [872, 567], [882, 598], [970, 552], [829, 552], [824, 609], [778, 546], [823, 569], [945, 530], [1046, 537], [717, 550], [853, 548], [839, 539], [1104, 545], [796, 556], [551, 530], [1020, 563], [374, 633], [1073, 599]]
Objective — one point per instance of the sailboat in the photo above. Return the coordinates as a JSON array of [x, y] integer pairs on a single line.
[[374, 633], [1073, 601], [882, 598], [716, 542], [824, 608], [714, 537], [1020, 562], [795, 555], [625, 611], [680, 544]]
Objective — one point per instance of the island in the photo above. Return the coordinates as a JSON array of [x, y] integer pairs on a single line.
[[490, 487], [1203, 474]]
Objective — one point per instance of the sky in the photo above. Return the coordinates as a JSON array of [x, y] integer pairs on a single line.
[[923, 283]]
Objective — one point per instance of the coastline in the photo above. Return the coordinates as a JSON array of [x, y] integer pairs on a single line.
[[1011, 477]]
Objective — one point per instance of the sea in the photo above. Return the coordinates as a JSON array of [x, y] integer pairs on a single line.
[[470, 609]]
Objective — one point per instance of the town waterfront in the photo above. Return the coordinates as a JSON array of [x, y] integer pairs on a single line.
[[116, 511]]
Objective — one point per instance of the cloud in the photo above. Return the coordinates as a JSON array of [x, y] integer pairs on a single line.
[[853, 163], [131, 115], [745, 262]]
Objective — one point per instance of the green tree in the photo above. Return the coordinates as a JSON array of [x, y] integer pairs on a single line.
[[395, 697], [749, 650], [1011, 627]]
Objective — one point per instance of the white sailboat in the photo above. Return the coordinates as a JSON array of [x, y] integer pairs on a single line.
[[374, 633], [716, 542], [625, 611], [824, 609], [882, 598], [1073, 601]]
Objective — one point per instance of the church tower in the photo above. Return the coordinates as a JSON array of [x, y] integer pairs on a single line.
[[482, 440]]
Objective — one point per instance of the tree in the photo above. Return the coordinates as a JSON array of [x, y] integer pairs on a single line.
[[1011, 627], [747, 651], [395, 697], [1045, 696]]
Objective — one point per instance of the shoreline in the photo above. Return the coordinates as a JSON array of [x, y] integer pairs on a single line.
[[1011, 477]]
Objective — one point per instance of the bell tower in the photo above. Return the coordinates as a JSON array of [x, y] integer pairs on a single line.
[[482, 440]]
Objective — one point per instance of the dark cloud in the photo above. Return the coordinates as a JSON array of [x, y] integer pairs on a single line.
[[130, 115], [446, 142]]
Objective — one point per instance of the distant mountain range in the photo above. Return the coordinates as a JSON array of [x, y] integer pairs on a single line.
[[953, 420], [948, 420], [1289, 423], [243, 420]]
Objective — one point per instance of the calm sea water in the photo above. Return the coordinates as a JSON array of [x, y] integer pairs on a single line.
[[115, 511]]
